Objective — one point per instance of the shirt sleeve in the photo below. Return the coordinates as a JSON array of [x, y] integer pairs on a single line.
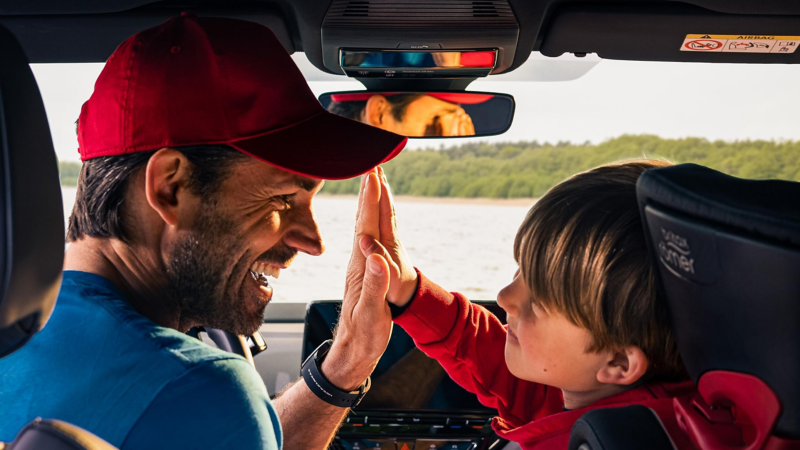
[[469, 342], [217, 404]]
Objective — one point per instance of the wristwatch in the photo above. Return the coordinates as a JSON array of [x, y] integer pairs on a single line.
[[323, 388]]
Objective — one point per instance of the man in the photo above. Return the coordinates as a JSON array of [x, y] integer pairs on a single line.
[[408, 114], [175, 226]]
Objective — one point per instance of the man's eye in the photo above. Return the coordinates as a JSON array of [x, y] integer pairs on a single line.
[[286, 199]]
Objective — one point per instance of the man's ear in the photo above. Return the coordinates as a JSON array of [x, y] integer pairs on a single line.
[[166, 179], [375, 111], [624, 367]]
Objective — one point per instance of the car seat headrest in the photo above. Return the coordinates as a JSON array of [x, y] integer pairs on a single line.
[[31, 212], [728, 258]]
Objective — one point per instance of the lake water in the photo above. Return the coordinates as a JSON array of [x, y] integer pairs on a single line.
[[464, 247]]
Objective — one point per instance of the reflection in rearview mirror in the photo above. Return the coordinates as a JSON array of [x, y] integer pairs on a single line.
[[426, 114]]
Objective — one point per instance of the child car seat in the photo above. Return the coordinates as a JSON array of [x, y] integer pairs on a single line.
[[727, 252], [728, 258]]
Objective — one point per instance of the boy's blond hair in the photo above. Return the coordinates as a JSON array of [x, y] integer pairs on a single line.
[[581, 251]]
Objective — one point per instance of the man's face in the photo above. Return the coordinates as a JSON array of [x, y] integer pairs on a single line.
[[425, 116], [251, 229]]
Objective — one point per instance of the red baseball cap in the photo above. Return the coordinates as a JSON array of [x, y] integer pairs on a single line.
[[204, 81], [461, 98]]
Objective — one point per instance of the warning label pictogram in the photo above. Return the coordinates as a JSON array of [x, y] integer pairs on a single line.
[[703, 45], [740, 43]]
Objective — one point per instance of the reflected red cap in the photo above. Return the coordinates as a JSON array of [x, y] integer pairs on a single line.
[[461, 98], [203, 81]]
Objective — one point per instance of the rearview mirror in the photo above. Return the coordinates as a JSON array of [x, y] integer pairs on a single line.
[[426, 114]]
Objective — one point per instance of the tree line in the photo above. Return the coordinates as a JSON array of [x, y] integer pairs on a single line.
[[530, 168]]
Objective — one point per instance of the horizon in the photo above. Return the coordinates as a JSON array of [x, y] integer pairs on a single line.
[[445, 147]]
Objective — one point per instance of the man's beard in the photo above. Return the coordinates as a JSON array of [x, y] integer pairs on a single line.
[[205, 280]]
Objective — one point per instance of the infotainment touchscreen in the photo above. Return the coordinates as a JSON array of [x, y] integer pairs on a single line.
[[405, 378]]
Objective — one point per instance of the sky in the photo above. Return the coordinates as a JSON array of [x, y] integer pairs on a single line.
[[672, 100]]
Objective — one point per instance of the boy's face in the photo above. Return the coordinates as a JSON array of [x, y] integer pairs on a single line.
[[544, 346]]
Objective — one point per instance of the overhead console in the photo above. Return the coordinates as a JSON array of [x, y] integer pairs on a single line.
[[412, 404], [413, 39]]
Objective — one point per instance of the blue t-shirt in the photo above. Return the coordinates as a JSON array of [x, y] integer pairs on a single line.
[[104, 367]]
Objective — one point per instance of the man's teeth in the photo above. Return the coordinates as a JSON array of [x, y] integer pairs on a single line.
[[266, 270]]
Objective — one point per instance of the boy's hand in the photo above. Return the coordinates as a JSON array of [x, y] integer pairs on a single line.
[[403, 277]]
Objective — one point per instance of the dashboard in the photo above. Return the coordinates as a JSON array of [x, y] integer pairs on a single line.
[[412, 405]]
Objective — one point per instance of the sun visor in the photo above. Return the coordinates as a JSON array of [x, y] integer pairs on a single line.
[[672, 32], [90, 38]]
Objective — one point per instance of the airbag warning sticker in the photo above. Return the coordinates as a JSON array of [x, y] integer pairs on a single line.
[[740, 43]]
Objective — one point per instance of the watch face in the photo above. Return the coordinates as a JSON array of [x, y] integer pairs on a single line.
[[323, 349], [319, 353], [307, 359]]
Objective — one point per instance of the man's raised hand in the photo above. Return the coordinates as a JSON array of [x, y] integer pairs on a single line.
[[365, 323]]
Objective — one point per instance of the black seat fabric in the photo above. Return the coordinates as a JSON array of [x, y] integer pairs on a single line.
[[627, 428], [728, 257], [31, 213], [31, 233]]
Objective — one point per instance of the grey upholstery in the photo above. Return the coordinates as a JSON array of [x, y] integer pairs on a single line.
[[31, 233]]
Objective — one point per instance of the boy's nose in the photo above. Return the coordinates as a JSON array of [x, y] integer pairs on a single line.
[[504, 300]]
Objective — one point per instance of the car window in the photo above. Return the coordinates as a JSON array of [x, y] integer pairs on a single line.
[[460, 202]]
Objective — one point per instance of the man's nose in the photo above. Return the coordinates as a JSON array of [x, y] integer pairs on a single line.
[[305, 236]]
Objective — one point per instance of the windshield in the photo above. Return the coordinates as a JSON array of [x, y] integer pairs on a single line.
[[459, 202]]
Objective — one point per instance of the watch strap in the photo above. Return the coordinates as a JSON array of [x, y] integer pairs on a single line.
[[323, 388]]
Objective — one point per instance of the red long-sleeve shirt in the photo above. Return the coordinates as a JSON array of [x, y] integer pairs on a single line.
[[469, 342]]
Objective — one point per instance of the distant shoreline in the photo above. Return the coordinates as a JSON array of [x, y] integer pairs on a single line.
[[445, 200], [454, 200]]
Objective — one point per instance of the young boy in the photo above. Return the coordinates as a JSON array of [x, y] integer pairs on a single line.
[[586, 328]]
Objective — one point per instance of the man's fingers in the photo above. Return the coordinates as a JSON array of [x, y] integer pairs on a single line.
[[387, 210], [454, 125], [392, 211], [369, 246], [361, 195], [468, 126], [376, 281], [355, 268], [369, 216]]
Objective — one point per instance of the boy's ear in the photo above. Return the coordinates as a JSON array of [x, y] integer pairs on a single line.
[[166, 179], [624, 367]]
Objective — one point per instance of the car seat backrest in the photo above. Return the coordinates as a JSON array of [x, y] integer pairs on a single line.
[[57, 435], [31, 233], [728, 257], [31, 212], [631, 427]]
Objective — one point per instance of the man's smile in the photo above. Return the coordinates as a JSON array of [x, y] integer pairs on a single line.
[[260, 272]]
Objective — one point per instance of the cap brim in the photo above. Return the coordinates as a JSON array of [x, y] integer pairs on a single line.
[[326, 146]]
